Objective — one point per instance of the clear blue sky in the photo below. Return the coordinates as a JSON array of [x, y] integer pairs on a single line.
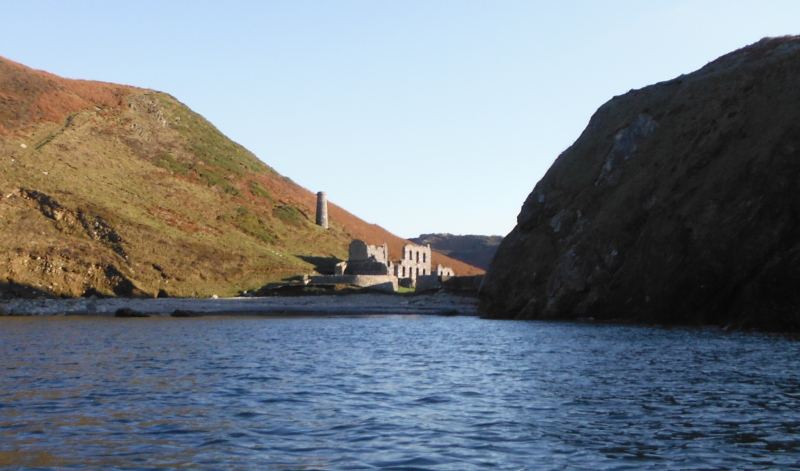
[[419, 116]]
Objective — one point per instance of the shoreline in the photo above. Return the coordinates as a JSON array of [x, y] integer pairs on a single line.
[[324, 305]]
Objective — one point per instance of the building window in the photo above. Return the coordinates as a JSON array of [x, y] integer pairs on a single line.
[[404, 272], [417, 257], [424, 257]]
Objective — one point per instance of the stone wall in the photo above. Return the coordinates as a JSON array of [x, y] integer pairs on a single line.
[[416, 262], [360, 251], [366, 267], [428, 283], [380, 282], [443, 271], [370, 260]]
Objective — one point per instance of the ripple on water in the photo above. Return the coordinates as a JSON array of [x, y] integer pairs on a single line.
[[392, 393]]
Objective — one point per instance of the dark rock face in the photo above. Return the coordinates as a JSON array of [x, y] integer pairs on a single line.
[[185, 313], [128, 312], [677, 204]]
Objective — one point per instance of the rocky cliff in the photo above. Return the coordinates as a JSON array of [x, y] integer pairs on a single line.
[[117, 190], [677, 204]]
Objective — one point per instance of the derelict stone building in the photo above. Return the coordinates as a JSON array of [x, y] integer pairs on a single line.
[[322, 209], [443, 271], [369, 265], [365, 259], [416, 261]]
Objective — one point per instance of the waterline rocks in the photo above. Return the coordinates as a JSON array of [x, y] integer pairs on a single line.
[[360, 304], [128, 312], [677, 204], [185, 313]]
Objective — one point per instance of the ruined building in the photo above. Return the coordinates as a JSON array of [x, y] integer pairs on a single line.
[[368, 265], [416, 261], [365, 259], [322, 209], [371, 260]]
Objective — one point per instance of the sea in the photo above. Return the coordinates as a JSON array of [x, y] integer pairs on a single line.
[[392, 393]]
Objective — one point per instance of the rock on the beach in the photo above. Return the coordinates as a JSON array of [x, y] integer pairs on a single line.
[[185, 313], [128, 312], [677, 204]]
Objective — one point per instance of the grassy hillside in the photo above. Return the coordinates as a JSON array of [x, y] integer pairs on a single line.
[[119, 190]]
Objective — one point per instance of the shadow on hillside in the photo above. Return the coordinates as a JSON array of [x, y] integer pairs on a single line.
[[13, 290], [323, 265]]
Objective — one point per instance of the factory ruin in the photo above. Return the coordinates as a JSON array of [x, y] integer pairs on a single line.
[[370, 266]]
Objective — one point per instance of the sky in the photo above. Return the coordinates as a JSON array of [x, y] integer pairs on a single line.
[[421, 116]]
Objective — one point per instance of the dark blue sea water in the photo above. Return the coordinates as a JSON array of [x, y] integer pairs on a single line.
[[392, 393]]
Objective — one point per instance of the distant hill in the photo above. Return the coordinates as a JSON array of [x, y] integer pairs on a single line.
[[116, 190], [475, 250]]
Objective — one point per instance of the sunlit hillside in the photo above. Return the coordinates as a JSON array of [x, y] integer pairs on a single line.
[[112, 189]]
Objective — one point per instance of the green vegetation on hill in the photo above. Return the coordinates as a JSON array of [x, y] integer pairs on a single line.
[[113, 190]]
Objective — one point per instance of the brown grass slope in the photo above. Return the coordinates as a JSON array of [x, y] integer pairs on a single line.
[[120, 190], [475, 250]]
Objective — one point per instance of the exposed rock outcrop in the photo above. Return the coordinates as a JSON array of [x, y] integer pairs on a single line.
[[677, 204], [128, 312]]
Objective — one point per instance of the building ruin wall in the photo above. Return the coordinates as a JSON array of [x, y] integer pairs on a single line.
[[322, 209], [381, 282], [416, 262]]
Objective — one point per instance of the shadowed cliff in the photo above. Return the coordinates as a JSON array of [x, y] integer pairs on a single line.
[[677, 204]]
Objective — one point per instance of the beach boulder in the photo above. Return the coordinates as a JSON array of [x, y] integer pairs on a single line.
[[128, 312]]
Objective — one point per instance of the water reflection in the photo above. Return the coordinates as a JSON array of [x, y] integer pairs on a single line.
[[392, 393]]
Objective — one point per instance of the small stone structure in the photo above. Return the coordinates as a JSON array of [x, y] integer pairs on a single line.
[[443, 271], [416, 261], [428, 282], [369, 266], [365, 260], [322, 209], [379, 282]]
